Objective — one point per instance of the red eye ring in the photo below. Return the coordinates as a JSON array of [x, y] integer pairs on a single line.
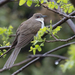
[[38, 16]]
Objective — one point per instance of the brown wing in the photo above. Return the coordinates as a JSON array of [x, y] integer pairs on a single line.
[[26, 31], [23, 40], [30, 26]]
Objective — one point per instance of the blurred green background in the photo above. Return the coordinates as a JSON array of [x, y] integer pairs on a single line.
[[13, 14]]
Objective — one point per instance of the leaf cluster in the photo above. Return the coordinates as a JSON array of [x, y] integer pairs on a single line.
[[70, 63], [5, 32], [64, 4], [28, 2]]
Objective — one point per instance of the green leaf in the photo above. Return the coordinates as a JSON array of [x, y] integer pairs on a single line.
[[4, 55], [50, 26], [65, 1], [31, 48], [21, 2], [29, 2], [72, 50], [56, 36], [42, 44], [42, 1], [56, 30], [4, 50], [39, 49], [58, 1], [68, 65], [56, 6], [36, 46], [70, 10], [34, 51]]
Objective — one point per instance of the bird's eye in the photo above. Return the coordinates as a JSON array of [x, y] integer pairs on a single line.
[[38, 16]]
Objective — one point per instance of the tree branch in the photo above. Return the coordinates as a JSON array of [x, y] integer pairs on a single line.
[[57, 12], [4, 47], [69, 21], [2, 2], [62, 21], [7, 51], [61, 40], [53, 50], [17, 64], [49, 55], [13, 35]]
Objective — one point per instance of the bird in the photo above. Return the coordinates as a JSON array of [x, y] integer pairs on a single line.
[[24, 34]]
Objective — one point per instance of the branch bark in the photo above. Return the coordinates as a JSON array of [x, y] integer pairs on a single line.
[[62, 21], [58, 12], [61, 40], [4, 47], [2, 2], [48, 55]]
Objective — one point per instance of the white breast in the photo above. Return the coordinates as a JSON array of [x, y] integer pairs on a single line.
[[42, 21]]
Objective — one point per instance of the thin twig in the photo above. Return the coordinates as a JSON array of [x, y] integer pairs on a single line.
[[13, 35], [54, 37], [55, 11], [49, 55], [7, 51], [2, 2], [62, 21], [4, 47], [17, 64], [57, 61], [61, 40], [22, 68]]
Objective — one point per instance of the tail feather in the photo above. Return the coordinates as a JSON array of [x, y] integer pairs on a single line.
[[12, 58]]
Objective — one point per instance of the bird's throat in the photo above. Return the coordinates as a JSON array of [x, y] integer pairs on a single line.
[[42, 21]]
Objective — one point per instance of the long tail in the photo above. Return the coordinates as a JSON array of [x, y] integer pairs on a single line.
[[12, 58]]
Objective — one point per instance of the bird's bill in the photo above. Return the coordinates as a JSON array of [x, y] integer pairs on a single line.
[[44, 16]]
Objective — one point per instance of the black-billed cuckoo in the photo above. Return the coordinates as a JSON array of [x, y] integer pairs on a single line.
[[25, 33]]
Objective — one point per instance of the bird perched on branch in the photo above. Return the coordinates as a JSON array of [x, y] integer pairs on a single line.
[[25, 33]]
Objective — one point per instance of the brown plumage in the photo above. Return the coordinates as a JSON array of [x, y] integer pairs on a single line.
[[25, 33]]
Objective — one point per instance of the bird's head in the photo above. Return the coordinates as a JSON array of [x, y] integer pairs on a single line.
[[39, 17]]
